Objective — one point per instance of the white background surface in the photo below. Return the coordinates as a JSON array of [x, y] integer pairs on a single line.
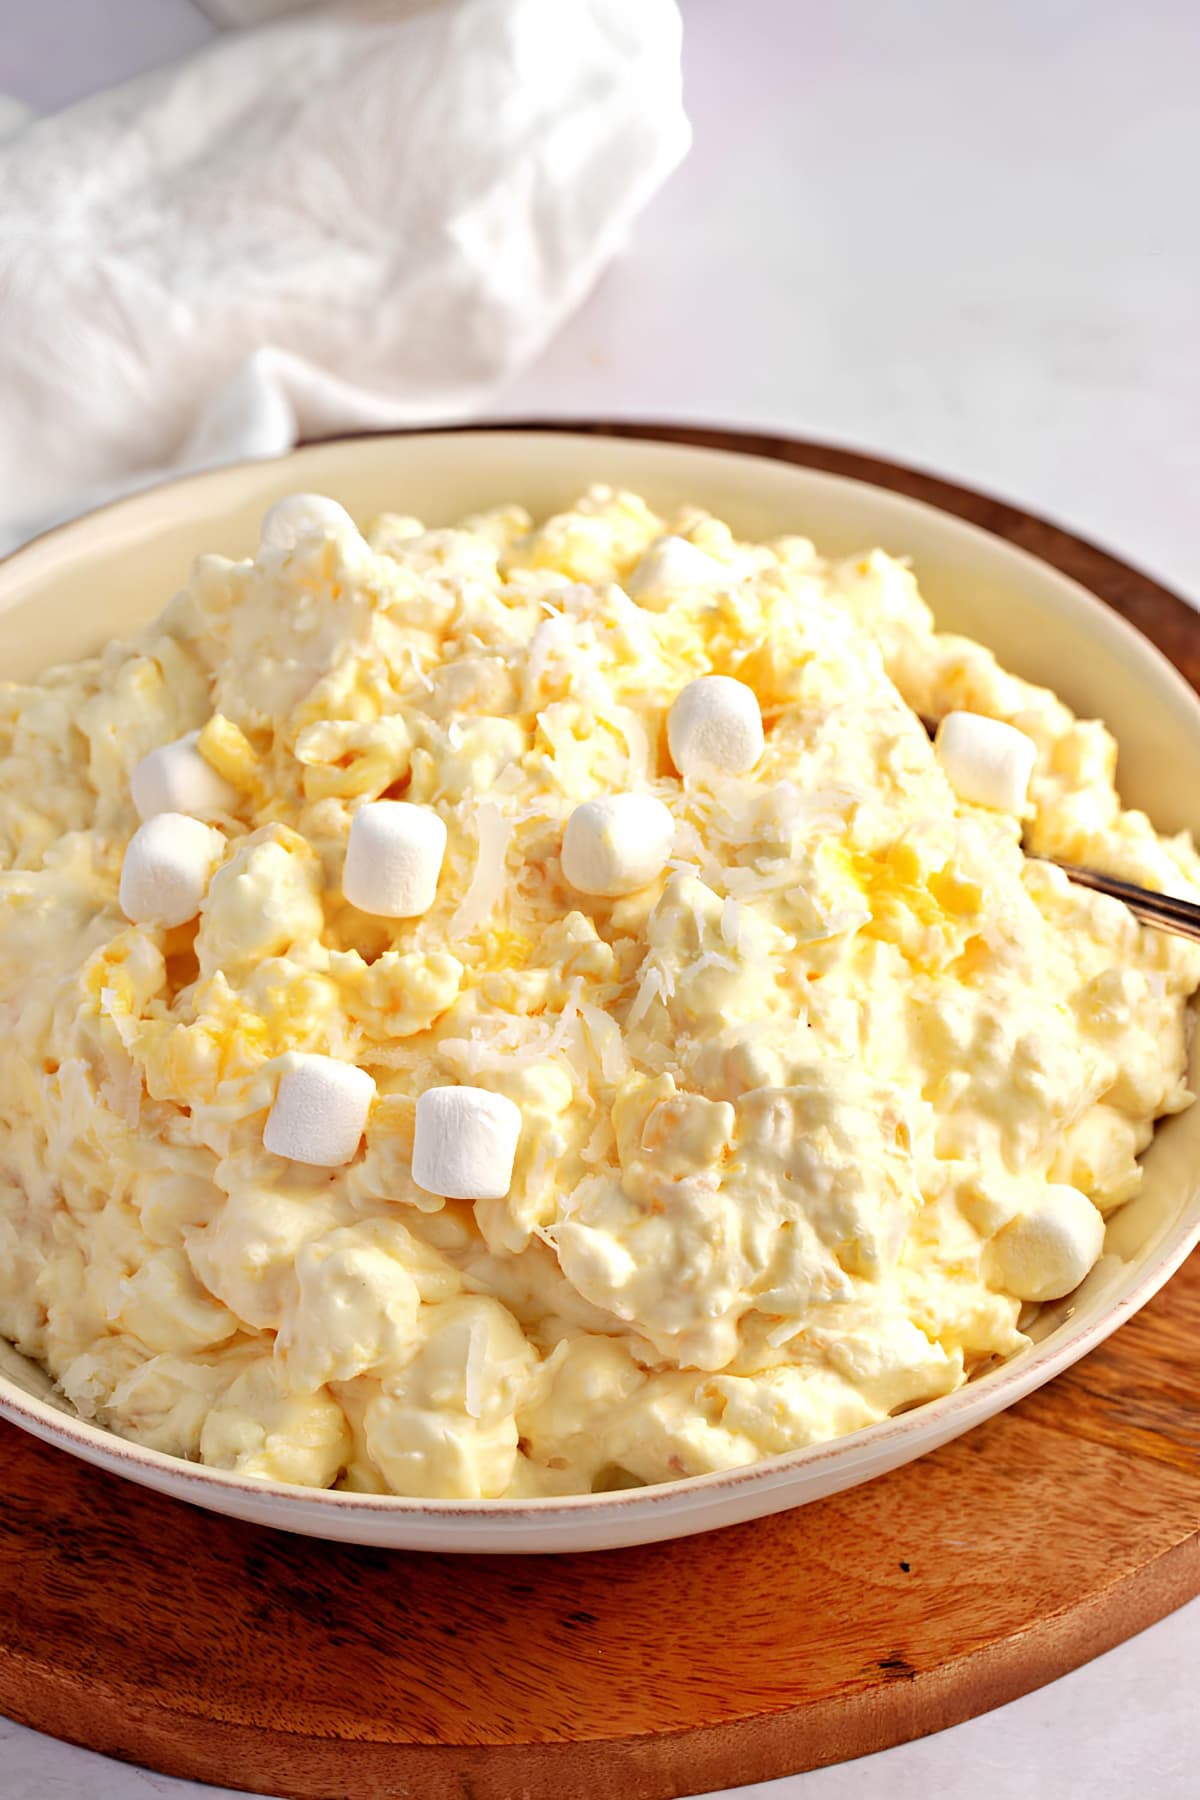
[[961, 235]]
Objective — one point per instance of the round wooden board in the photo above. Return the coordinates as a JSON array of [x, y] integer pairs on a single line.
[[240, 1656]]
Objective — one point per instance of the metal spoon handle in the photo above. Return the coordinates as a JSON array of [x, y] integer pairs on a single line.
[[1182, 917], [1164, 911]]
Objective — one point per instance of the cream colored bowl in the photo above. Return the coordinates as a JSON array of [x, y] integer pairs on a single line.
[[62, 596]]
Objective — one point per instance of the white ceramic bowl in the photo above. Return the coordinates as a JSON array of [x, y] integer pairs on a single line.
[[63, 595]]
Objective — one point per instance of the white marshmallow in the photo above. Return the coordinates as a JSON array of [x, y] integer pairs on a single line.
[[985, 760], [168, 864], [465, 1142], [1045, 1252], [393, 859], [301, 516], [670, 566], [176, 778], [616, 845], [320, 1111], [715, 727]]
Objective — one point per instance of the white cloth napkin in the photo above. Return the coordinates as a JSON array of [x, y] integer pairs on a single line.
[[370, 214]]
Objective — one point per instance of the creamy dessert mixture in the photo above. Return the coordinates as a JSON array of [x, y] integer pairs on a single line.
[[527, 1009]]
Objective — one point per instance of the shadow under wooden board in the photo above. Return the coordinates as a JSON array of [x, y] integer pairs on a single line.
[[243, 1657]]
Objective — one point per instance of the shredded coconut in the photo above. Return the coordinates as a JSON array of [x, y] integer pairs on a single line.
[[651, 988], [513, 1040], [606, 1040], [710, 959], [494, 833], [839, 923], [597, 1148]]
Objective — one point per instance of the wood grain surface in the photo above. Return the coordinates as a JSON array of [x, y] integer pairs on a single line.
[[241, 1656]]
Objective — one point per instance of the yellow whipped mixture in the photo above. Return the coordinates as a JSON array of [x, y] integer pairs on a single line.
[[778, 1108]]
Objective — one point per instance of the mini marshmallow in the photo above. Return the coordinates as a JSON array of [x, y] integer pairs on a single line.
[[1045, 1252], [320, 1111], [465, 1142], [393, 859], [985, 760], [715, 727], [670, 565], [300, 516], [616, 845], [176, 778], [168, 864]]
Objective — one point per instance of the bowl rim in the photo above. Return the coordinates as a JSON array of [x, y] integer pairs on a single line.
[[958, 1410]]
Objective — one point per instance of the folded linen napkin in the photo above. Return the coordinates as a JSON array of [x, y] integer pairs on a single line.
[[370, 214]]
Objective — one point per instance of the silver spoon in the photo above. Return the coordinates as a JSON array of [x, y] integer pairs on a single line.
[[1163, 911]]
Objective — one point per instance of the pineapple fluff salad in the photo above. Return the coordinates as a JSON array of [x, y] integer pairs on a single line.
[[526, 1009]]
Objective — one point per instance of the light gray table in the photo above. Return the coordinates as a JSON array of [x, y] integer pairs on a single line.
[[962, 236]]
